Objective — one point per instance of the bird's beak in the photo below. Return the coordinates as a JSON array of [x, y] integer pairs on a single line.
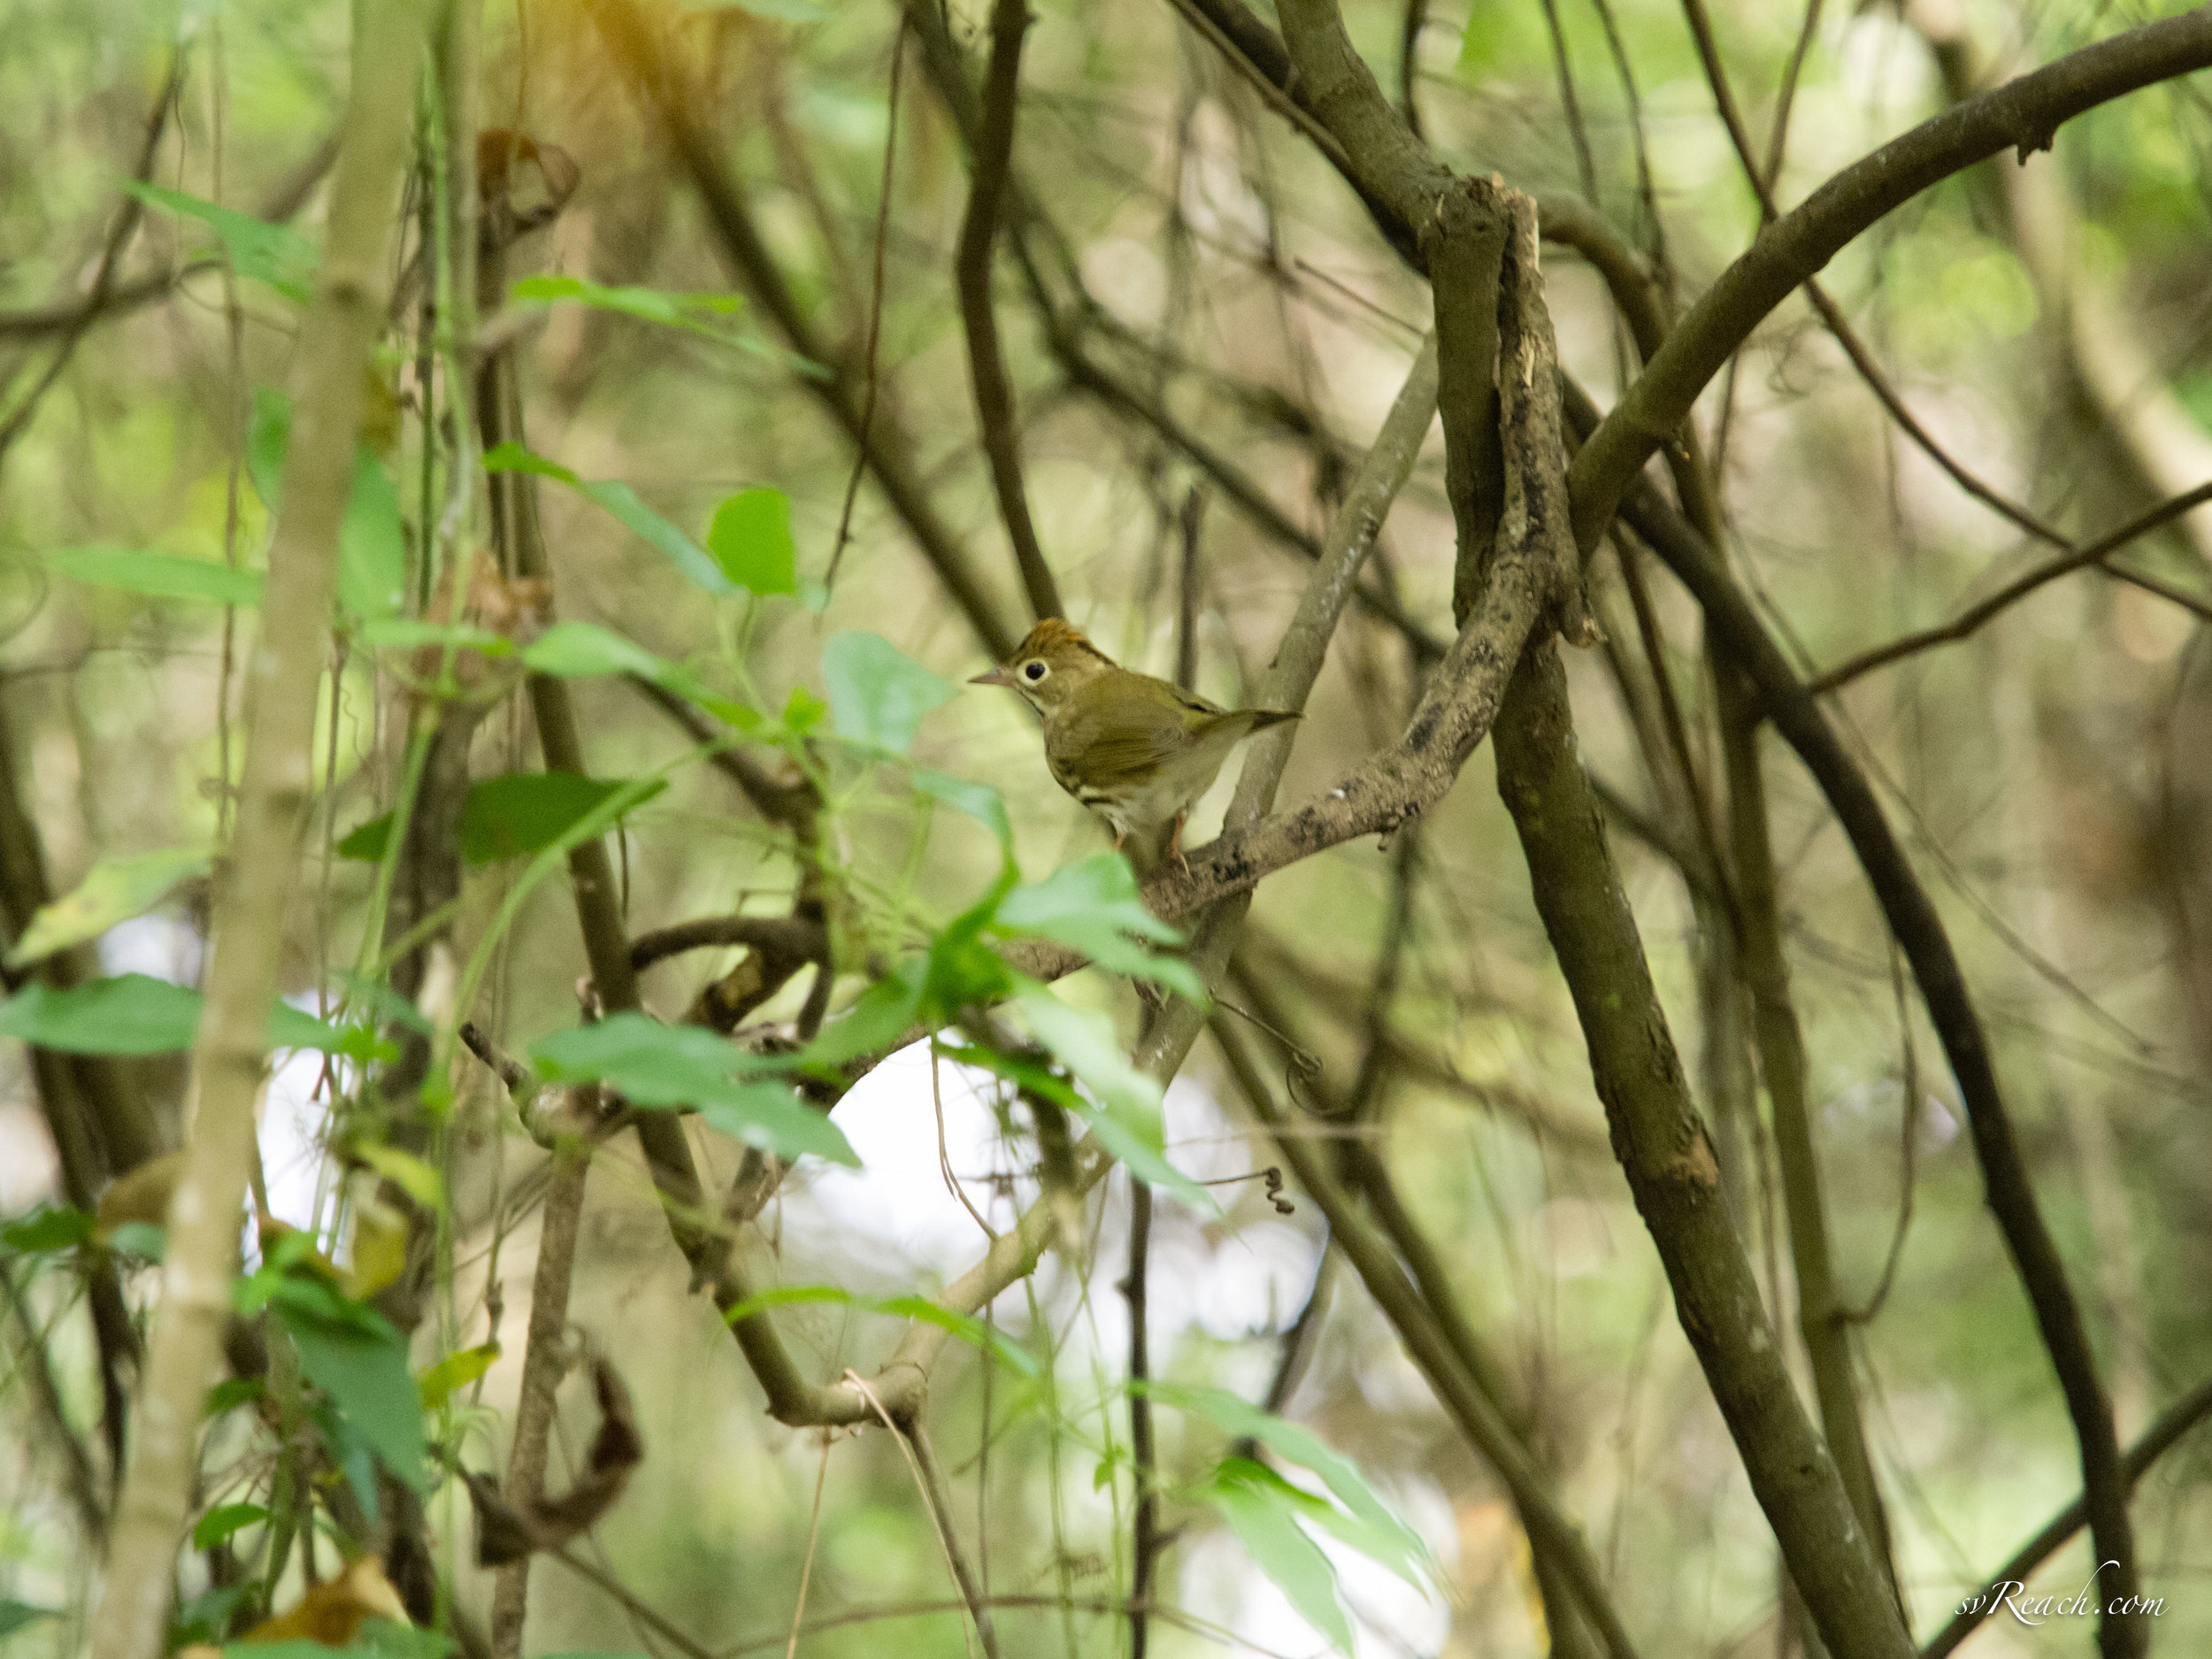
[[996, 677]]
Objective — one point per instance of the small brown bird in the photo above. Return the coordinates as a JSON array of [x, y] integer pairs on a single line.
[[1136, 750], [331, 1614]]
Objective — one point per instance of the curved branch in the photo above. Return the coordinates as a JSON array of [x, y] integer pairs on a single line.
[[1668, 1159], [2020, 115], [1919, 931], [2162, 1436], [729, 218], [987, 363], [1975, 615], [1420, 1327], [229, 1055]]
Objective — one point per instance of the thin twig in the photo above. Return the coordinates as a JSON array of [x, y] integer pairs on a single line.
[[119, 233], [1145, 1542], [229, 1055], [929, 1481], [868, 376], [992, 160], [1975, 615], [1409, 31], [2175, 1422], [635, 1606], [813, 1535], [1778, 139], [1585, 167], [79, 1480], [1830, 313], [1910, 1154]]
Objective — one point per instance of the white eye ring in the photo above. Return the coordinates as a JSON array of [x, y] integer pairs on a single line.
[[1034, 671]]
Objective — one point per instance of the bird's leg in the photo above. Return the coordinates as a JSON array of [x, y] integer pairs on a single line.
[[1175, 843]]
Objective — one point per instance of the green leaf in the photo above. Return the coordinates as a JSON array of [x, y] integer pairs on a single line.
[[158, 575], [1258, 1504], [232, 1392], [420, 1181], [1093, 907], [292, 1027], [412, 634], [371, 539], [268, 253], [964, 969], [688, 557], [378, 1638], [526, 812], [1371, 1527], [578, 650], [803, 710], [657, 1066], [877, 694], [650, 1063], [354, 1355], [751, 539], [15, 1615], [437, 1382], [132, 1014], [971, 1330], [1127, 1115], [771, 1116], [146, 1240], [886, 1011], [621, 501], [979, 800], [974, 1331], [268, 433], [113, 890], [687, 312], [225, 1520], [372, 544], [204, 1618], [366, 991], [366, 841], [50, 1227]]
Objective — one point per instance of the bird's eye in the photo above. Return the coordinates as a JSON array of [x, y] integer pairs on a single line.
[[1033, 672]]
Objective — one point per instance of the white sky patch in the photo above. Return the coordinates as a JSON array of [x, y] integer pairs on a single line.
[[292, 1120], [160, 945]]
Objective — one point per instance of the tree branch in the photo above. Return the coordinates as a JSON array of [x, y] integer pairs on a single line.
[[336, 338], [1668, 1156], [1478, 1419], [1919, 931], [994, 155], [1971, 619], [2173, 1424], [2020, 115], [658, 87]]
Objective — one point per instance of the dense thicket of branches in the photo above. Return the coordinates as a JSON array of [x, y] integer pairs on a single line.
[[496, 506]]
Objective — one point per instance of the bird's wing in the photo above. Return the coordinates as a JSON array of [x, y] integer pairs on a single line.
[[1121, 747]]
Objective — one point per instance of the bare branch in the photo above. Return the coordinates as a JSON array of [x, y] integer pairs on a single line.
[[1969, 620], [335, 341], [2020, 115], [729, 216], [987, 363], [2173, 1426], [1919, 930]]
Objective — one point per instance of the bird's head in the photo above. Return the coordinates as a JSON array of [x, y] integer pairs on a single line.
[[1049, 666]]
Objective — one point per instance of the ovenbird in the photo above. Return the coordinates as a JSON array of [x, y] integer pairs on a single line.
[[1136, 750]]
